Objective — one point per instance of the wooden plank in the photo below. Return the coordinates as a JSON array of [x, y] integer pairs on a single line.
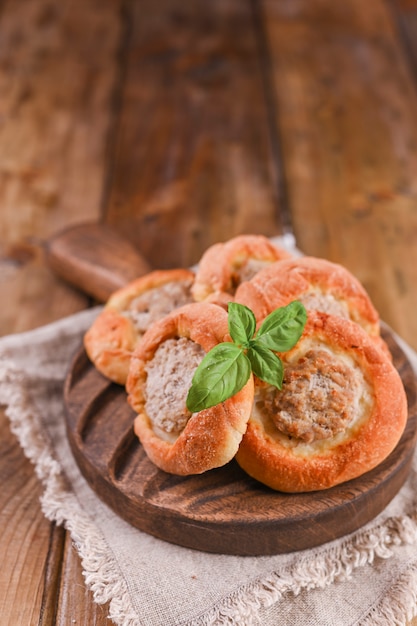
[[346, 103], [57, 109], [193, 158], [76, 602], [52, 576], [56, 97], [404, 13], [24, 538], [52, 141], [34, 296]]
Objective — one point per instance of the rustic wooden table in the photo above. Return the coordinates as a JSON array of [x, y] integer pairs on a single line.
[[181, 124]]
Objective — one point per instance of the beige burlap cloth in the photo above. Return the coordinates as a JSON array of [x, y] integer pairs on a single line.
[[369, 577]]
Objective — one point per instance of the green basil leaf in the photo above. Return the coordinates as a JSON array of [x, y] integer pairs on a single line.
[[266, 365], [222, 373], [242, 323], [281, 330]]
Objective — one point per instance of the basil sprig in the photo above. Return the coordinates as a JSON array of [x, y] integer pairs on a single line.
[[227, 367]]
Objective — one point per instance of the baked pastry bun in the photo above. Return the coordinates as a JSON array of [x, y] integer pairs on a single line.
[[128, 313], [319, 284], [224, 266], [341, 411], [159, 378]]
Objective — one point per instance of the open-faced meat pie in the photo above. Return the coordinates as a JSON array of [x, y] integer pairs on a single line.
[[341, 411], [319, 284], [159, 378], [128, 314], [224, 266]]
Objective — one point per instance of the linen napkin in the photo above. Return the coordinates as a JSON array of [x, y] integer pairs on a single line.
[[368, 577]]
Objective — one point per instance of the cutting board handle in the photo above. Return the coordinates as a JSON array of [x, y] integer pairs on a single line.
[[95, 259]]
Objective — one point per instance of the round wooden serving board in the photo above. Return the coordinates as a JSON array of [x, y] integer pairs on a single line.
[[224, 510]]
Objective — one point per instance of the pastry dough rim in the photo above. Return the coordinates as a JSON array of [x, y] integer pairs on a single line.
[[211, 437], [286, 280], [275, 465], [212, 281], [112, 338]]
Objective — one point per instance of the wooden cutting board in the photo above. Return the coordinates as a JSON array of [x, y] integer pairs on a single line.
[[224, 510]]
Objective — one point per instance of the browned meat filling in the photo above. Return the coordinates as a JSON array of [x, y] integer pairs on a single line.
[[158, 302], [246, 271], [169, 376], [318, 398]]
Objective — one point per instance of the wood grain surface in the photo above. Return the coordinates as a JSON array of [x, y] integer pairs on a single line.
[[180, 124], [95, 259], [227, 511]]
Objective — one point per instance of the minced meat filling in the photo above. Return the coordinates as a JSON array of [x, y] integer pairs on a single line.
[[324, 302], [318, 398], [247, 271], [169, 376], [155, 303]]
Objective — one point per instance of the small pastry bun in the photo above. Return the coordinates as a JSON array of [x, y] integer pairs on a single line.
[[224, 266], [319, 284], [358, 384], [210, 437], [113, 336]]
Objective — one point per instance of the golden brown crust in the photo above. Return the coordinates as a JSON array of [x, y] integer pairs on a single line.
[[113, 337], [295, 467], [212, 436], [218, 271], [109, 343], [304, 278], [121, 298]]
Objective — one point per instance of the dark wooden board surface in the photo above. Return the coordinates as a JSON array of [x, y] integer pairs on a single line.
[[224, 510]]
